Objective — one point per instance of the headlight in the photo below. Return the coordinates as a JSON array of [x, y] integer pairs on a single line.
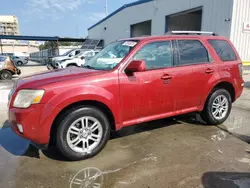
[[26, 97]]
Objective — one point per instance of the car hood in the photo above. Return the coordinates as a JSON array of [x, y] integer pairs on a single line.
[[59, 75]]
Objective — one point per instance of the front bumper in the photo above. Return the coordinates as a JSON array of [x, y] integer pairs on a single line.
[[52, 66], [36, 122], [18, 71]]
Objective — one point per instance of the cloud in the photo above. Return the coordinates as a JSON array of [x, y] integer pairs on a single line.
[[96, 16], [58, 5], [53, 9]]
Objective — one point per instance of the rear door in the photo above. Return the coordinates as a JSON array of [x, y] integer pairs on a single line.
[[193, 71]]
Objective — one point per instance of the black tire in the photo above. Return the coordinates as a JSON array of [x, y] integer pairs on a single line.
[[207, 114], [71, 116], [19, 63], [5, 75], [71, 66]]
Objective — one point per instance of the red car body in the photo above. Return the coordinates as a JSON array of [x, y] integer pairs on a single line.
[[128, 100]]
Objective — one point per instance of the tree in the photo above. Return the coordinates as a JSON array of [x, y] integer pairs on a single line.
[[53, 44]]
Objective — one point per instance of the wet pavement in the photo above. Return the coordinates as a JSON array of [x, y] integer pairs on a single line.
[[176, 152]]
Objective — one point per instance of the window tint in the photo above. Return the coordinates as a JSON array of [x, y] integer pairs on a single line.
[[192, 52], [156, 55], [77, 52], [223, 50]]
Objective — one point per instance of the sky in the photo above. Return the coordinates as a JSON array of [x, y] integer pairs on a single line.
[[63, 18]]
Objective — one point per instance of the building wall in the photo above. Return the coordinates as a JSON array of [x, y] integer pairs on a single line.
[[9, 25], [8, 48], [215, 12], [241, 40]]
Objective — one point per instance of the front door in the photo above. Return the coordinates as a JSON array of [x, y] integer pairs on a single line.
[[144, 93]]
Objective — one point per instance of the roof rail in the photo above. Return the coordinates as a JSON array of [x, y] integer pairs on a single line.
[[191, 33]]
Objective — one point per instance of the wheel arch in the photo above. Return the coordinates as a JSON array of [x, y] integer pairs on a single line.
[[74, 64], [92, 103], [222, 85]]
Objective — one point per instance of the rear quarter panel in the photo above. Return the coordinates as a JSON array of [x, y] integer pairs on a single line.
[[225, 71]]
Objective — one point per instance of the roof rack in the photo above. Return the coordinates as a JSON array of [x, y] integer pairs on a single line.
[[191, 33]]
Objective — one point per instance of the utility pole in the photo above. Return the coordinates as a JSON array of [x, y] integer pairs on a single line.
[[106, 7], [1, 46]]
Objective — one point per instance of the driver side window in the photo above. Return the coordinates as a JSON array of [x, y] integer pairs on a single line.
[[156, 55]]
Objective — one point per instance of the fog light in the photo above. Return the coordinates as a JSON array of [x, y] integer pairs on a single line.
[[20, 128]]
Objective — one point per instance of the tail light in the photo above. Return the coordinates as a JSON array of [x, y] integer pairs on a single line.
[[240, 66]]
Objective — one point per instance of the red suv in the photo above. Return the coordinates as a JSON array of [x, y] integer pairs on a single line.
[[129, 82]]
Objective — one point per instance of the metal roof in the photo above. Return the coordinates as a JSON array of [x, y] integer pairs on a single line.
[[41, 38], [120, 9]]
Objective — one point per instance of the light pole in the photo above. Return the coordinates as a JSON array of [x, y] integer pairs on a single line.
[[106, 7]]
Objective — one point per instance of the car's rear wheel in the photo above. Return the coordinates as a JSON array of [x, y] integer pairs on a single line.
[[217, 108], [82, 133], [19, 63], [5, 75]]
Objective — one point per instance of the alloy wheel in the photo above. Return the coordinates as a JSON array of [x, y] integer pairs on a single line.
[[84, 134], [220, 107]]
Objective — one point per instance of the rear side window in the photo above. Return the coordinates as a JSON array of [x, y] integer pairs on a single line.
[[223, 50], [192, 52]]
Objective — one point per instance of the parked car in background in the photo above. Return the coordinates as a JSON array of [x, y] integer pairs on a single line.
[[130, 81], [67, 55], [7, 54], [20, 60], [7, 68], [77, 61]]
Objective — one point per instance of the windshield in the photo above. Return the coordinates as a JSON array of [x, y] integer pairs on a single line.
[[111, 55], [68, 52]]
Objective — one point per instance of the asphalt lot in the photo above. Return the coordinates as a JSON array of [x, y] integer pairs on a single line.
[[174, 152]]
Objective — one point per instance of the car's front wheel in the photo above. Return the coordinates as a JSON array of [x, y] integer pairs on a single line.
[[5, 75], [82, 133], [217, 108]]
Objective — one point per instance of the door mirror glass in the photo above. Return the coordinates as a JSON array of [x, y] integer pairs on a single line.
[[136, 66]]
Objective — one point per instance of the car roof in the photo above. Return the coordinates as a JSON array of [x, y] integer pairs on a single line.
[[145, 38]]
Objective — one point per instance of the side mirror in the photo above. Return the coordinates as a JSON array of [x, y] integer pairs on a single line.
[[136, 66], [82, 58]]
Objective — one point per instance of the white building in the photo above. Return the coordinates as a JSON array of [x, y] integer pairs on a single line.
[[230, 18], [9, 25]]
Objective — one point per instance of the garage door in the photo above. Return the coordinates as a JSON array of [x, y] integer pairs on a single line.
[[189, 20], [141, 29]]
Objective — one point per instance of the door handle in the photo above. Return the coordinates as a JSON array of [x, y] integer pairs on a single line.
[[209, 71], [166, 77]]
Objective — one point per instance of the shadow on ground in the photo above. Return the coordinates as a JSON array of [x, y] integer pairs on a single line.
[[14, 144], [226, 180], [53, 153]]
